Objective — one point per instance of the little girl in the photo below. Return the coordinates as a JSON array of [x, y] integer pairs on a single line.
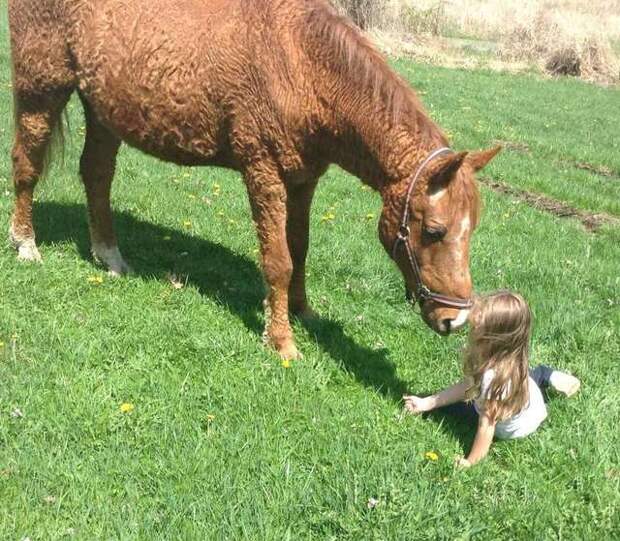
[[506, 395]]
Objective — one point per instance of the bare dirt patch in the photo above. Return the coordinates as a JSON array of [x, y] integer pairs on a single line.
[[515, 146], [591, 221], [600, 170]]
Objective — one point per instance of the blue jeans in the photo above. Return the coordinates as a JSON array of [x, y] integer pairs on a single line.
[[541, 375]]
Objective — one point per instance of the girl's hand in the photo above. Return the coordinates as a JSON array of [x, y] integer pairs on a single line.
[[416, 404], [462, 463]]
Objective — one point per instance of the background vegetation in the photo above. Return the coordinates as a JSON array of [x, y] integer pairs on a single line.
[[561, 37]]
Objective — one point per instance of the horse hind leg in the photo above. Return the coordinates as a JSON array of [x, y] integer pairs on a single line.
[[35, 119], [97, 167]]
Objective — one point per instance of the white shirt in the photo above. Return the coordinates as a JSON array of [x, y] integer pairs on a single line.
[[523, 423]]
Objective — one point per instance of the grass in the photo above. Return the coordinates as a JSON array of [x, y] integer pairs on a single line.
[[225, 443], [556, 125]]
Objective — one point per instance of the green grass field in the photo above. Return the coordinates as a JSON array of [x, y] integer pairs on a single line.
[[225, 443]]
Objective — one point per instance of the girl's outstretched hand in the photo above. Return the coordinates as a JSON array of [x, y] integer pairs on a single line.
[[416, 404], [462, 463]]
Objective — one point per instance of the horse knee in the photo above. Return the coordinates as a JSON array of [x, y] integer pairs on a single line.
[[278, 270]]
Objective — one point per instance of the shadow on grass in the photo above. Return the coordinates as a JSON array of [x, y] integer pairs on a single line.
[[231, 279], [462, 427]]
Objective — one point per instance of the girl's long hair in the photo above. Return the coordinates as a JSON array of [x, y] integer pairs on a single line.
[[499, 340]]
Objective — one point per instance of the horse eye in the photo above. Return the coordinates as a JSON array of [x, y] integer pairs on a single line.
[[434, 234]]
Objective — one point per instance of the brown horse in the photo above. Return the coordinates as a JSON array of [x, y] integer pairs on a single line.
[[275, 89]]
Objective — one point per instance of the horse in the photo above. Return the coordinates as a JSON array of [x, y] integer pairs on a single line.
[[277, 90]]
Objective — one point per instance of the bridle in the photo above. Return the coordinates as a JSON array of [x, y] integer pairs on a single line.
[[423, 293]]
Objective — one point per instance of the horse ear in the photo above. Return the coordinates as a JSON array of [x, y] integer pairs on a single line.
[[442, 171], [479, 160]]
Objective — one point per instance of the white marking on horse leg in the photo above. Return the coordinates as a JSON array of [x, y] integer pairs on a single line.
[[26, 246], [460, 320], [110, 257]]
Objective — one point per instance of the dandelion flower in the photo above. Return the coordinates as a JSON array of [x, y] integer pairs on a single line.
[[187, 224], [210, 418], [370, 216], [127, 407], [95, 279], [286, 363], [432, 456]]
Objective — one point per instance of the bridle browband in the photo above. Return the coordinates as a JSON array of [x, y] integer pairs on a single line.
[[423, 293]]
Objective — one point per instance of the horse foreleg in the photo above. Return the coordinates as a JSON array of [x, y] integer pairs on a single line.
[[299, 201], [268, 200], [97, 167]]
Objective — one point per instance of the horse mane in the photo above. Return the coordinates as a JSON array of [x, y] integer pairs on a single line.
[[341, 46]]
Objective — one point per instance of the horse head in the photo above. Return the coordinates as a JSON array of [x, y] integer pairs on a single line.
[[426, 227]]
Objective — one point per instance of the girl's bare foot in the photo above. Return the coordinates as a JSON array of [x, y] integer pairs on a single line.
[[564, 383]]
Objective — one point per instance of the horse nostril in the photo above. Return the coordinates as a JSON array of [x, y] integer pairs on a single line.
[[446, 325]]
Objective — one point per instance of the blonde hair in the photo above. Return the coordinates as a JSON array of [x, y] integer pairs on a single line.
[[499, 339]]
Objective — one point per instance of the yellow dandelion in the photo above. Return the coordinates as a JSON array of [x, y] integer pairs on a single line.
[[95, 279], [370, 216], [127, 407], [431, 455], [328, 217], [187, 224], [216, 187], [210, 418], [286, 363]]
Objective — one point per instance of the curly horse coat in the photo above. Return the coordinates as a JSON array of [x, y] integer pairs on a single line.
[[275, 89]]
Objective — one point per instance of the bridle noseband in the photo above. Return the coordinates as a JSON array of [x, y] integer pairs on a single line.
[[423, 293]]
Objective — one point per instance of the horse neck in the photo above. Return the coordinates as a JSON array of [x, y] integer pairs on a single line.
[[368, 140]]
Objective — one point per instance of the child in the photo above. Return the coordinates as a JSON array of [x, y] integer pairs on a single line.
[[506, 395]]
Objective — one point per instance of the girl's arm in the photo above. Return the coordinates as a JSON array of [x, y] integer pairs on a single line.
[[456, 393], [482, 441]]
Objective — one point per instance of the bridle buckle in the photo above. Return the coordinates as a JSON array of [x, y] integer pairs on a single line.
[[403, 232], [424, 293]]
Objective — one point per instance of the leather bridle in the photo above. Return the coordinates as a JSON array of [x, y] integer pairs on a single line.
[[423, 293]]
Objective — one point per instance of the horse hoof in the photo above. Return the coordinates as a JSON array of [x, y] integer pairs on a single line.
[[289, 352], [28, 251], [26, 247], [111, 258]]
